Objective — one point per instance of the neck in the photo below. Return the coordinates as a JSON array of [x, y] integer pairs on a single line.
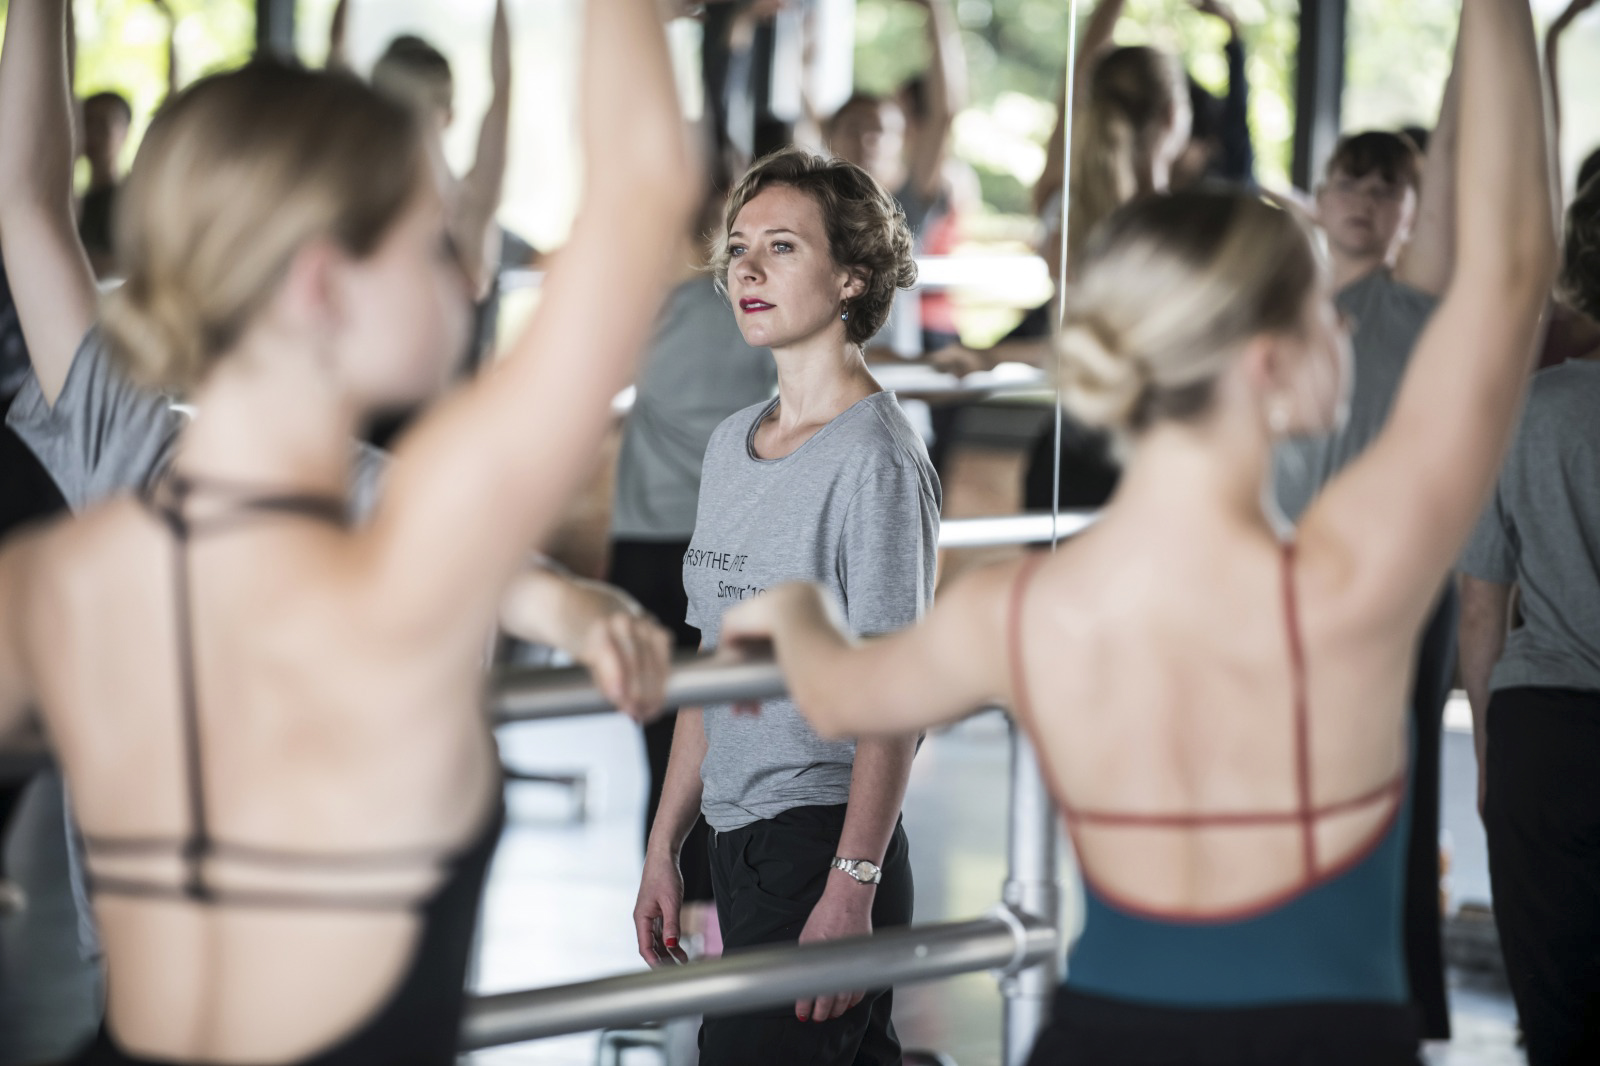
[[1151, 173], [1215, 476], [820, 378], [1349, 269], [271, 423]]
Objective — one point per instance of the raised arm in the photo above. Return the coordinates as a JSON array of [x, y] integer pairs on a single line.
[[1096, 39], [1429, 256], [172, 44], [485, 476], [1399, 515], [49, 273], [1552, 63], [1238, 150], [477, 233], [338, 28], [947, 93]]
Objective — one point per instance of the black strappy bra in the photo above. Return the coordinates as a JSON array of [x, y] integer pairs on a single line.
[[420, 1020]]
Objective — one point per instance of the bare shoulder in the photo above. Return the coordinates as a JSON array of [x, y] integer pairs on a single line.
[[984, 596], [997, 601]]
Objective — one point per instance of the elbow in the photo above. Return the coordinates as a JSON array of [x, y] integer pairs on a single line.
[[824, 711]]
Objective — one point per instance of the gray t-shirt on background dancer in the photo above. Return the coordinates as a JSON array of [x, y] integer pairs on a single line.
[[1387, 319], [105, 434], [1541, 531], [855, 509], [698, 370]]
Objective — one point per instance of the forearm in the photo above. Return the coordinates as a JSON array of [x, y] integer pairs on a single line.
[[1429, 258], [36, 121], [545, 607], [484, 184], [1481, 635], [338, 59], [811, 649], [480, 192], [1239, 157], [1505, 220], [680, 792], [947, 70], [1094, 40], [1036, 352], [172, 54], [1552, 73], [51, 283], [1098, 33], [877, 791]]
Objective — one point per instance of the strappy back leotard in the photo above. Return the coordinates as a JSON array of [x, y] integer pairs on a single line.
[[1333, 936], [419, 1022]]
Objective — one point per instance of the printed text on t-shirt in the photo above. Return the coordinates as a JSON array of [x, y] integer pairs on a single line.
[[704, 560]]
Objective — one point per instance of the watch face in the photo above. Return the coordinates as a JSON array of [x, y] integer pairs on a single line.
[[866, 871]]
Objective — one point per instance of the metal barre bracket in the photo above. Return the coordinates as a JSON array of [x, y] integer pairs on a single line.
[[1019, 930]]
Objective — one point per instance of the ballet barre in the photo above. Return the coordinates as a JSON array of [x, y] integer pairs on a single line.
[[762, 977], [1019, 940]]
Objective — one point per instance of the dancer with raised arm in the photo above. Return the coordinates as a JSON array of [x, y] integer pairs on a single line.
[[290, 813], [1222, 711]]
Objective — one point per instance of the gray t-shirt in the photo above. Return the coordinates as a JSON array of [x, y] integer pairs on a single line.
[[697, 372], [1541, 531], [106, 435], [1388, 318], [855, 509]]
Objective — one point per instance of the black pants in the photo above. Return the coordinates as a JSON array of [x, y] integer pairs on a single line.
[[1089, 472], [768, 876], [1542, 814], [1424, 940], [1087, 1030], [652, 572]]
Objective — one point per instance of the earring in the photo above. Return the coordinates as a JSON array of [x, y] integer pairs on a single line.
[[1278, 419], [844, 316]]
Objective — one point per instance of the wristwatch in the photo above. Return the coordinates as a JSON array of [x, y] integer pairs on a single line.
[[864, 871]]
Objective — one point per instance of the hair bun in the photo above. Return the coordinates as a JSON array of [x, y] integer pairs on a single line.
[[1101, 385]]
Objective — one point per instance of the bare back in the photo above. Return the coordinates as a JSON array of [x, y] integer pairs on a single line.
[[322, 731], [1163, 691]]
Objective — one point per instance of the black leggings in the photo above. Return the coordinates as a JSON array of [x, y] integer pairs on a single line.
[[768, 876], [1542, 816], [1088, 1030]]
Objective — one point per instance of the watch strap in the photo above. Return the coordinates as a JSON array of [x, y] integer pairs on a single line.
[[853, 868]]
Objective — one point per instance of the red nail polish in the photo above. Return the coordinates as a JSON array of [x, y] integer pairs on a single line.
[[672, 941]]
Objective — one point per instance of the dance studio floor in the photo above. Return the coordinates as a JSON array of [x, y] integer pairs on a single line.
[[561, 895]]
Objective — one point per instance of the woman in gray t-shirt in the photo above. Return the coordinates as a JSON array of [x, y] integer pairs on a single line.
[[827, 483]]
